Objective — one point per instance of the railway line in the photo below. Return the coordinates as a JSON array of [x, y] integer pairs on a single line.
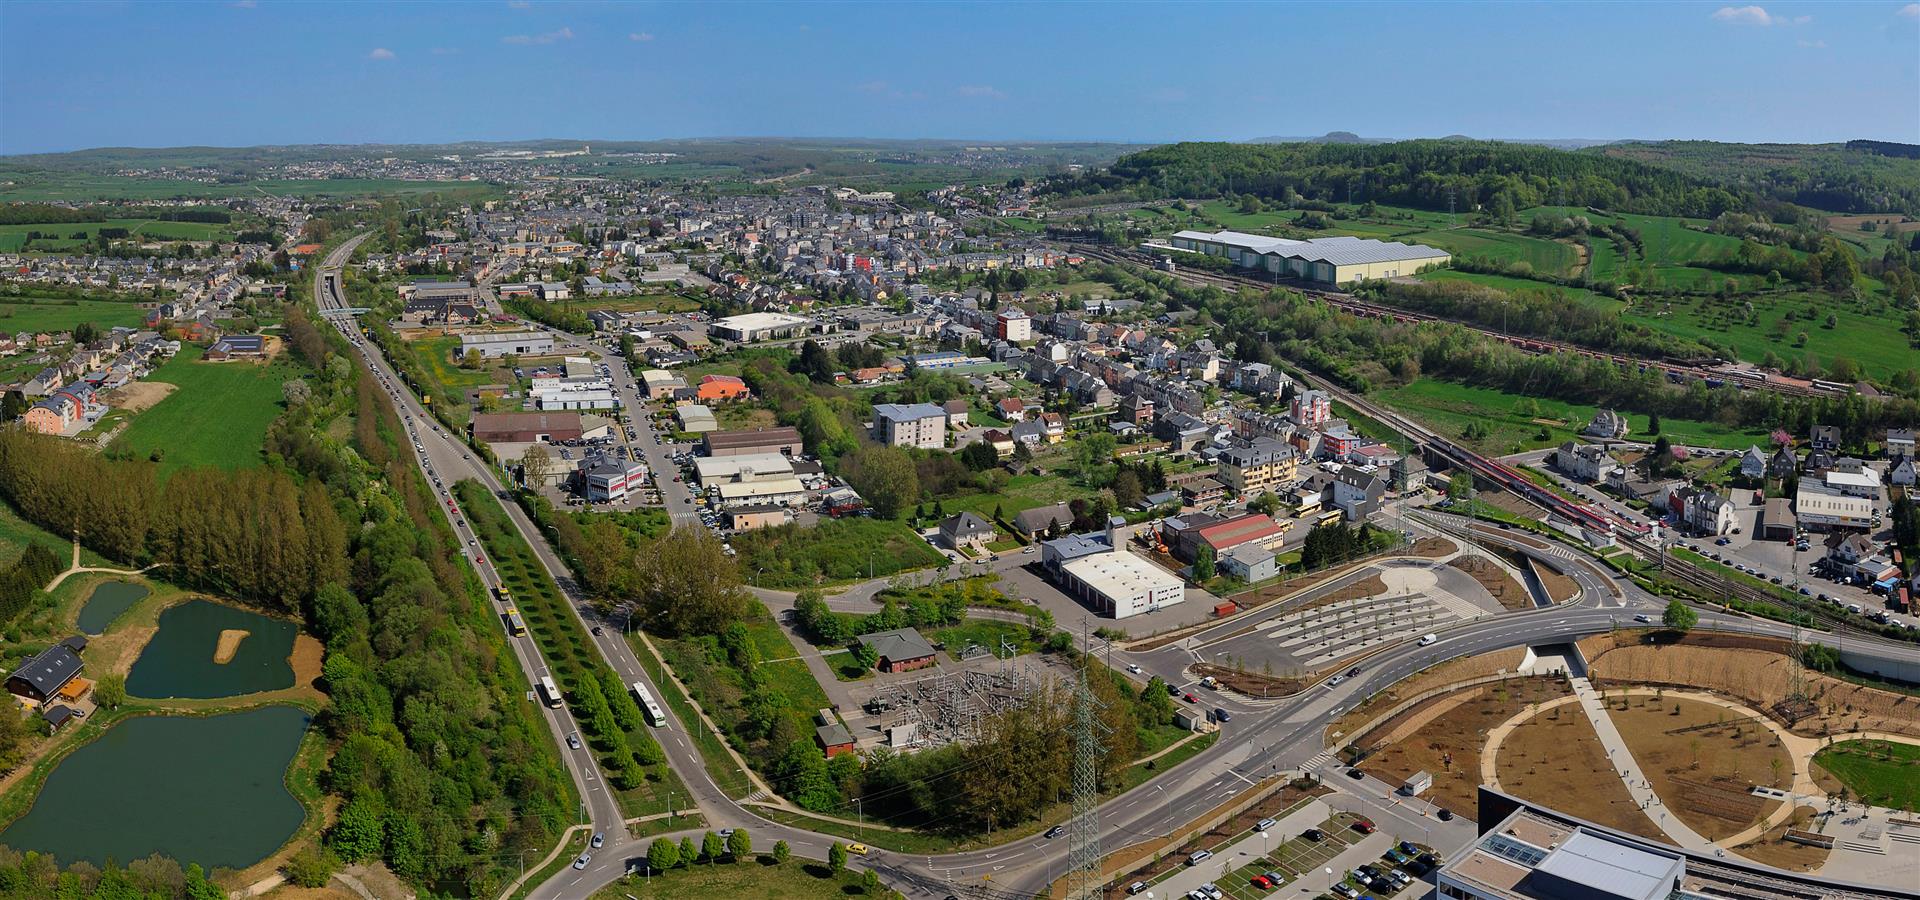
[[1674, 371], [1636, 538]]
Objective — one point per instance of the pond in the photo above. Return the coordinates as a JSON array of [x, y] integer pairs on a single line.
[[107, 602], [205, 649], [205, 789]]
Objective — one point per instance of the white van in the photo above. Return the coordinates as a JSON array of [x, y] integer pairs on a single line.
[[1428, 639], [1264, 824], [1199, 857]]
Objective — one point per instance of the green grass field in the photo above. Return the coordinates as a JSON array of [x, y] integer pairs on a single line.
[[1581, 296], [60, 237], [1450, 407], [19, 314], [43, 186], [1882, 773], [218, 416], [1873, 341], [1023, 492], [836, 550], [1547, 257]]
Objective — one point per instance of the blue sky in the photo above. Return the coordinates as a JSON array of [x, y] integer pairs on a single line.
[[76, 75]]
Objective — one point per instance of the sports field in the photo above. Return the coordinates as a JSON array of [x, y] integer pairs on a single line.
[[218, 417]]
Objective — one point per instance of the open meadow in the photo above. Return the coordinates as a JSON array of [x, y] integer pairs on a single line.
[[218, 416]]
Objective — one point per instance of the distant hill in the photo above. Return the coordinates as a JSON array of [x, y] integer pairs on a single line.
[[1855, 177], [1348, 137]]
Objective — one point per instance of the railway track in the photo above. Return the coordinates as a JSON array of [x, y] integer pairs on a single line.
[[1633, 537], [1674, 372]]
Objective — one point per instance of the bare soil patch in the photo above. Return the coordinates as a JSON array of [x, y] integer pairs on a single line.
[[229, 644], [1450, 672], [1448, 745], [135, 396], [1556, 759], [1503, 587], [1754, 670], [1426, 548], [1561, 588], [1702, 759], [1773, 848], [308, 655]]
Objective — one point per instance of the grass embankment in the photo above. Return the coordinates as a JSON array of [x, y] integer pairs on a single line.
[[1513, 423], [726, 774], [796, 879], [1882, 773], [219, 415], [563, 642]]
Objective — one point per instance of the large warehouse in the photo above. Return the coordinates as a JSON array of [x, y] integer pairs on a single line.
[[1332, 260], [760, 326]]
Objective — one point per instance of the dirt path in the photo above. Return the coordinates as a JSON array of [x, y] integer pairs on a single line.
[[76, 568]]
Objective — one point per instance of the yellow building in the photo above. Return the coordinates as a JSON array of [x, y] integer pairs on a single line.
[[1266, 465]]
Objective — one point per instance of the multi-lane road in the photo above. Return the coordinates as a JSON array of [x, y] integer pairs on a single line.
[[1263, 738]]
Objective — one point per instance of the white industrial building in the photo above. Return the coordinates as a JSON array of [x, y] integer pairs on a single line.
[[1331, 260], [760, 326], [784, 491], [1097, 570], [714, 470], [515, 343]]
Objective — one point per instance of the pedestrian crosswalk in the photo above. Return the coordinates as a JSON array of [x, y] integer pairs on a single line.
[[1315, 762], [757, 796]]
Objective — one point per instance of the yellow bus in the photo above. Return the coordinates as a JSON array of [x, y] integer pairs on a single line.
[[516, 626]]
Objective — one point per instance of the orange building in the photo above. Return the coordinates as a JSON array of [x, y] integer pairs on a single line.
[[722, 387]]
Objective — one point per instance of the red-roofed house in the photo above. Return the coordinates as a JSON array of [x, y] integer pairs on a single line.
[[1186, 534]]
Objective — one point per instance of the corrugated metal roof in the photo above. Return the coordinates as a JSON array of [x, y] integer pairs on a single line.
[[1341, 250], [1611, 867]]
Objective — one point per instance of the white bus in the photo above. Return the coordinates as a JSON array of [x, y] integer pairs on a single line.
[[549, 692], [648, 707]]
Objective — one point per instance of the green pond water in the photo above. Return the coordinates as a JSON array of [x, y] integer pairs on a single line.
[[178, 662], [205, 789], [107, 602]]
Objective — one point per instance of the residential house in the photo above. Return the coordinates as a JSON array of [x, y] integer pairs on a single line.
[[1904, 473], [1357, 493], [966, 531], [1409, 474], [1705, 511], [1607, 425], [1824, 437], [1900, 443], [1311, 409], [1041, 520], [1135, 408], [721, 388], [1249, 563], [44, 675], [1782, 464], [1587, 462], [1753, 463], [956, 410]]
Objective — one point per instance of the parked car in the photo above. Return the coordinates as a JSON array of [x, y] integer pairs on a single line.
[[1363, 825], [1314, 834], [1199, 857]]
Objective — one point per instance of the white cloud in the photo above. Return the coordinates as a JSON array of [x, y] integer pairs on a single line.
[[980, 90], [1742, 15], [640, 36], [545, 37], [1911, 11], [1813, 45], [380, 53]]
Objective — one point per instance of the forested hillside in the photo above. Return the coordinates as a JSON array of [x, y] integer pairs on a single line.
[[1856, 177], [1432, 175]]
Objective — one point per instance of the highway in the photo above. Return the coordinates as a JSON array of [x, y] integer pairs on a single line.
[[1268, 737]]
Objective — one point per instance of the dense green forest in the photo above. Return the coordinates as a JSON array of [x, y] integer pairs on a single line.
[[1856, 177]]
